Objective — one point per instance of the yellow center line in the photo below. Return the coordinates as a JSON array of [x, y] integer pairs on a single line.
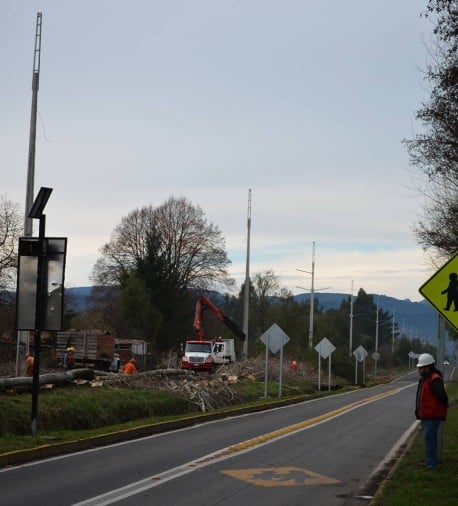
[[264, 438]]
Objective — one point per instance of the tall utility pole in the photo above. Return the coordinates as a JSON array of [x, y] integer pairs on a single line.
[[376, 353], [392, 333], [33, 129], [246, 304], [312, 293], [23, 336], [350, 341], [376, 328]]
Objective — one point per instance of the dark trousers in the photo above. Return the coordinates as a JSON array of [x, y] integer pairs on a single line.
[[430, 437]]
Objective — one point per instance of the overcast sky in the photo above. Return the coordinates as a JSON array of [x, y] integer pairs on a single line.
[[306, 103]]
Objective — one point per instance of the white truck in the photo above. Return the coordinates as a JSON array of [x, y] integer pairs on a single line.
[[207, 355], [204, 354]]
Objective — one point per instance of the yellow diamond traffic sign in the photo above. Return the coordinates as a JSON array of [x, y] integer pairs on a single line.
[[441, 290]]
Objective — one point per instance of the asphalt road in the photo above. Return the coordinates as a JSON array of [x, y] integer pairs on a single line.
[[319, 452]]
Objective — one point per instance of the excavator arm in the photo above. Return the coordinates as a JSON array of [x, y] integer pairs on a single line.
[[204, 303]]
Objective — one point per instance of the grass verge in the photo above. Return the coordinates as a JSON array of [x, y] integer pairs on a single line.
[[75, 413], [411, 484]]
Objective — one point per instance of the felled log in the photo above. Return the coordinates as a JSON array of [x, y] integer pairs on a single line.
[[57, 378]]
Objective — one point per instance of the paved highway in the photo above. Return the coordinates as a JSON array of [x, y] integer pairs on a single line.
[[319, 452]]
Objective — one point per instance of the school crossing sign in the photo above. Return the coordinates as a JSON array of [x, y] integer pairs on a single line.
[[441, 290]]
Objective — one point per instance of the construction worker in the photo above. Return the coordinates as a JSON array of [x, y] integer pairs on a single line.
[[129, 367], [431, 406], [29, 360], [69, 359]]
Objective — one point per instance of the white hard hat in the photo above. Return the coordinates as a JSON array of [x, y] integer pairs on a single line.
[[425, 359]]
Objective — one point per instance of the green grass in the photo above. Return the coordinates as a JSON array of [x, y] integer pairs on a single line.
[[411, 484], [75, 413], [76, 408]]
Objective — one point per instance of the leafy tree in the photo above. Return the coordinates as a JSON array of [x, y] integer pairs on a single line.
[[434, 151], [167, 312], [365, 316], [141, 316]]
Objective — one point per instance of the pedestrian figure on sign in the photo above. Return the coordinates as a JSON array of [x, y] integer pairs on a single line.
[[452, 292]]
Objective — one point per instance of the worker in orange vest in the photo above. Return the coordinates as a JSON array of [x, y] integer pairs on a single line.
[[29, 360], [129, 367]]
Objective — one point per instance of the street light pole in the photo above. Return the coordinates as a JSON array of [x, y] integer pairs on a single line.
[[392, 333], [41, 275], [246, 302], [312, 292], [350, 344], [23, 336], [377, 356], [36, 212]]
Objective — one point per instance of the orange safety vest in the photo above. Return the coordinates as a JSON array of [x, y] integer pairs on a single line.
[[129, 368], [429, 406]]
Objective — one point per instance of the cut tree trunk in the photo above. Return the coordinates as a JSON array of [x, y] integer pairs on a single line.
[[57, 378]]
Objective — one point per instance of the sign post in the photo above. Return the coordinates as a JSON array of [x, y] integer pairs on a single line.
[[40, 288], [274, 339], [376, 358], [324, 349], [360, 355]]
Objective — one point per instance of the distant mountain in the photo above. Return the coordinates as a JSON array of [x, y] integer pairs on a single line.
[[414, 319], [78, 298]]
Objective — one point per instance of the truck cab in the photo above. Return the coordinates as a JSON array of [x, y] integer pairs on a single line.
[[198, 355], [207, 355]]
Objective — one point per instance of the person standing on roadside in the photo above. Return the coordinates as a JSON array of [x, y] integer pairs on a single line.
[[431, 406]]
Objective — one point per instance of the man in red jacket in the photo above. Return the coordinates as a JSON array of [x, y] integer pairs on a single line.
[[431, 405]]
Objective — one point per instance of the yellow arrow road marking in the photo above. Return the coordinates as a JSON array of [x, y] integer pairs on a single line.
[[280, 477]]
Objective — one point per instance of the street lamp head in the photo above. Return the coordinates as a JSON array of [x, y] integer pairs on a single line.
[[36, 211]]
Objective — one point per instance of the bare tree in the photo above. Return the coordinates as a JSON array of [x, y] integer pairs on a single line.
[[128, 245], [434, 151], [266, 287], [10, 231], [191, 248]]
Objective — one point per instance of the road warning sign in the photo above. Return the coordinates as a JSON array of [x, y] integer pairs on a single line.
[[441, 290]]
